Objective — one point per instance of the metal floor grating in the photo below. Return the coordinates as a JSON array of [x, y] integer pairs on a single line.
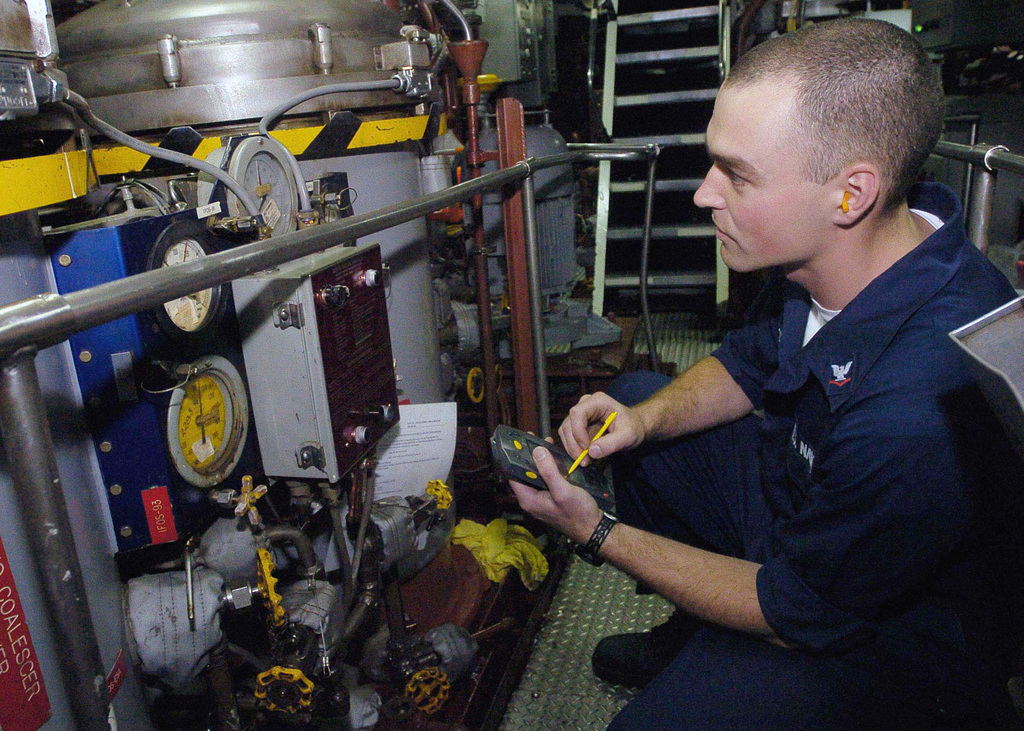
[[558, 690], [678, 340]]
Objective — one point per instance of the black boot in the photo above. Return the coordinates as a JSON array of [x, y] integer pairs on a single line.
[[635, 658]]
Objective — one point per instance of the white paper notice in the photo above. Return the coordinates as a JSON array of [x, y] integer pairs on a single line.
[[420, 449]]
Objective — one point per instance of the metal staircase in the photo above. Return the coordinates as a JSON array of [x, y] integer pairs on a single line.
[[662, 72]]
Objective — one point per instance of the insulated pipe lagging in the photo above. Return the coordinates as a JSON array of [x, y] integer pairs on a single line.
[[108, 130]]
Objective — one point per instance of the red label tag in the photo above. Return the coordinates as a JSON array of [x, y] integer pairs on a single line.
[[116, 675], [25, 705], [159, 515]]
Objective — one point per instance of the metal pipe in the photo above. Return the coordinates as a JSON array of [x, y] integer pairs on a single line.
[[645, 250], [291, 534], [471, 96], [540, 361], [33, 469], [48, 319], [460, 18], [992, 157], [979, 218]]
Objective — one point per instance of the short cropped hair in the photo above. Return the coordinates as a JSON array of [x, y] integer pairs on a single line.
[[866, 90]]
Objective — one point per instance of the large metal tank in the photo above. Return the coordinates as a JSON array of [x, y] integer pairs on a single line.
[[152, 64]]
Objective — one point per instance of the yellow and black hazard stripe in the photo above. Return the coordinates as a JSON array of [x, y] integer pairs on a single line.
[[34, 182]]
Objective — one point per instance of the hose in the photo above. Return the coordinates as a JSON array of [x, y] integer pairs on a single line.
[[78, 102], [271, 117], [454, 10]]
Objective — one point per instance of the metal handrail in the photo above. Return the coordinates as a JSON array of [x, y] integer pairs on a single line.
[[48, 319], [991, 157], [986, 160]]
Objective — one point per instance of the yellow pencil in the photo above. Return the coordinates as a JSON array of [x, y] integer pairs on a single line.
[[600, 432]]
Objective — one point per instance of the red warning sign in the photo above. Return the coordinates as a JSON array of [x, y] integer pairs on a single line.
[[25, 704]]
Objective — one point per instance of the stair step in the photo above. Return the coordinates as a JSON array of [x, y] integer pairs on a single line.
[[626, 233], [678, 185], [662, 280], [667, 16], [666, 97], [673, 54]]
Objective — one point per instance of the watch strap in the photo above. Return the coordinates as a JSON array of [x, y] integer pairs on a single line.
[[588, 551]]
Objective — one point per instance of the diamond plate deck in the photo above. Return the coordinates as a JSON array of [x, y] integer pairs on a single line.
[[558, 690]]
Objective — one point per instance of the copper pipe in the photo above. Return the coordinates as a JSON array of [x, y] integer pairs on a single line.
[[483, 294], [469, 57], [512, 149]]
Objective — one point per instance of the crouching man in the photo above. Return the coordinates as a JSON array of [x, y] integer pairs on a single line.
[[815, 498]]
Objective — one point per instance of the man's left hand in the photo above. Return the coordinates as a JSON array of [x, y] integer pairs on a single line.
[[563, 506]]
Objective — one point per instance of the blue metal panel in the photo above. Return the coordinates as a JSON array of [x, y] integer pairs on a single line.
[[128, 424]]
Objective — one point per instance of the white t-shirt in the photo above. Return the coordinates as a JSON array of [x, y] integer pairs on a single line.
[[819, 315]]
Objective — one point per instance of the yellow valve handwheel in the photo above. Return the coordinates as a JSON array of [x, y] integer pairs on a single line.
[[441, 493], [295, 690], [429, 689], [268, 586], [475, 384]]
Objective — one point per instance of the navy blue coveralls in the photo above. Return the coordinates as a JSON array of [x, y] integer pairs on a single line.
[[859, 486]]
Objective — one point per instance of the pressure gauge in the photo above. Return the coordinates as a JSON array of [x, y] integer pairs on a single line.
[[194, 314], [262, 166], [207, 422]]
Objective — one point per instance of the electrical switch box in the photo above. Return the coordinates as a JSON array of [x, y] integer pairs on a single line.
[[318, 352]]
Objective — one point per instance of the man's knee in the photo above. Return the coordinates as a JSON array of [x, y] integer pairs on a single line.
[[632, 388]]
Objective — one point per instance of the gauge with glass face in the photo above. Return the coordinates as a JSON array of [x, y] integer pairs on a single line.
[[194, 314], [261, 165], [207, 422]]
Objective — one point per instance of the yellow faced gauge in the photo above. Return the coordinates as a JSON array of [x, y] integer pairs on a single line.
[[207, 422]]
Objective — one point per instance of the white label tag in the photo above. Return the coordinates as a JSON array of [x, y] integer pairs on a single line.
[[271, 213], [210, 209], [202, 449]]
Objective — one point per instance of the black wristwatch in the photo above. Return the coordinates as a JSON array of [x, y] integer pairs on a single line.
[[588, 551]]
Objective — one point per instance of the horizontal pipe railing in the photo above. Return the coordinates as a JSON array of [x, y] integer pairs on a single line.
[[993, 157], [48, 319], [983, 161]]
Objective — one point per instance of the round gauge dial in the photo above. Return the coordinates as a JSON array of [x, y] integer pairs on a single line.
[[180, 243], [207, 422], [261, 165]]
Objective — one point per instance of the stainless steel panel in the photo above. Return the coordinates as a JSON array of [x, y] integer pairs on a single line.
[[15, 28]]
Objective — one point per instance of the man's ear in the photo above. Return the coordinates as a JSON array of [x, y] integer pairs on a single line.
[[856, 193]]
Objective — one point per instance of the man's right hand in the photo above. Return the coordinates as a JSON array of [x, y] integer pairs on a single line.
[[586, 418]]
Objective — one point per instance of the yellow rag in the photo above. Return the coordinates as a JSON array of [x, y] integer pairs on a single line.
[[499, 546]]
